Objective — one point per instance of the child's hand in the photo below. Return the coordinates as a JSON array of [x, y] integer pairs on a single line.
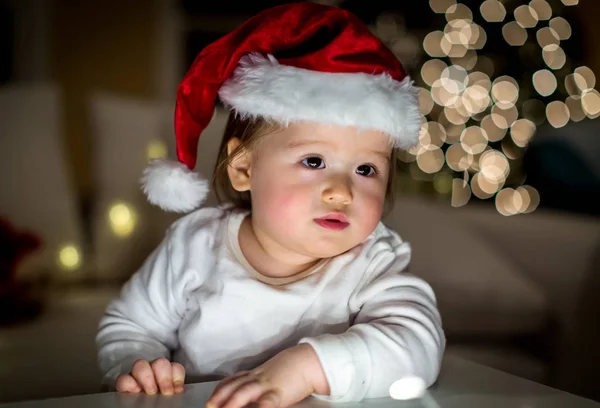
[[284, 380], [150, 377]]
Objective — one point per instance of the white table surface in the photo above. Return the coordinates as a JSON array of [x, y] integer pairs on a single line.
[[462, 384]]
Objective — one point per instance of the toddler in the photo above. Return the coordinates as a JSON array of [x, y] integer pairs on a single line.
[[293, 287]]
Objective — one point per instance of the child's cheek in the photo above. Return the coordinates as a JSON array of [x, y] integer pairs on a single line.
[[289, 203]]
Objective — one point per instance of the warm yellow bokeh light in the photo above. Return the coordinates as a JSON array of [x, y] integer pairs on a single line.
[[432, 44], [156, 149], [542, 8], [432, 70], [122, 219], [554, 56], [590, 101], [459, 11], [561, 27], [504, 118], [475, 99], [430, 159], [522, 131], [480, 78], [461, 193], [479, 37], [570, 2], [494, 166], [474, 140], [442, 182], [557, 113], [453, 131], [505, 92], [526, 16], [492, 11], [483, 188], [575, 108], [457, 158], [432, 133], [514, 34], [494, 132], [425, 101], [468, 61], [544, 82], [508, 202], [584, 78], [547, 36], [69, 257], [454, 116], [530, 197]]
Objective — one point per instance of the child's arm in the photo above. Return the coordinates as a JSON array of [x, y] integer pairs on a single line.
[[397, 332], [142, 323]]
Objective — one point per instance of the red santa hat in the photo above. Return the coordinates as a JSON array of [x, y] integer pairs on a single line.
[[299, 61]]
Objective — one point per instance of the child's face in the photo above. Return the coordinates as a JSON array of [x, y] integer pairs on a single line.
[[304, 176]]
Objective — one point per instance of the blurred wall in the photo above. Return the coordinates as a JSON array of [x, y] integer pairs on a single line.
[[102, 45]]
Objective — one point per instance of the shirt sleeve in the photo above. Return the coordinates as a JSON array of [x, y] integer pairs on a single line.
[[397, 332], [142, 323]]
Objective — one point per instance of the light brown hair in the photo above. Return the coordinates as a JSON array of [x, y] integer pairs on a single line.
[[249, 131]]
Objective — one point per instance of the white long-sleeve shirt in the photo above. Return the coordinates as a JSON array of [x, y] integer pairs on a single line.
[[197, 300]]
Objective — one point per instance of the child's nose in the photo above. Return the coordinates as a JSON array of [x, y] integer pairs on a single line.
[[338, 191]]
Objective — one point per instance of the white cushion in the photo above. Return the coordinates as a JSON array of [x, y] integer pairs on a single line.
[[37, 192], [479, 292]]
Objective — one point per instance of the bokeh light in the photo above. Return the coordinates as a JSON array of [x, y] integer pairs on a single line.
[[544, 82], [554, 56], [461, 193], [522, 131], [557, 113], [156, 149], [492, 11], [547, 36], [526, 16], [122, 219], [561, 27], [514, 34], [69, 257], [542, 9]]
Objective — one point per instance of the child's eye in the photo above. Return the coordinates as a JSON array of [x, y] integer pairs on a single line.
[[314, 162], [366, 170]]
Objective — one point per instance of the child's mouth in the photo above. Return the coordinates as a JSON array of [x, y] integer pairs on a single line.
[[336, 222]]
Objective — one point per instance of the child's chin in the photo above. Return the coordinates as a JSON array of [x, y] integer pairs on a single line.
[[329, 249]]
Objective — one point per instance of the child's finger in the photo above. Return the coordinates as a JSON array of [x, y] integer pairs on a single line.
[[142, 372], [163, 375], [224, 392], [178, 373], [126, 383], [226, 381], [269, 400], [244, 394]]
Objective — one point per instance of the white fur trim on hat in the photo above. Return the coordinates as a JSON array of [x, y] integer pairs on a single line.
[[173, 187], [260, 86]]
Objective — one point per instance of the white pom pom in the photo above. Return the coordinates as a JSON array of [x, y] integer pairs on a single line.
[[173, 187], [407, 388]]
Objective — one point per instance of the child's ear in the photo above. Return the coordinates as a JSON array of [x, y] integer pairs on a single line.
[[240, 166]]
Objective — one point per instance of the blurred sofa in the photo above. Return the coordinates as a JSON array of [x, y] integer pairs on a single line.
[[516, 293]]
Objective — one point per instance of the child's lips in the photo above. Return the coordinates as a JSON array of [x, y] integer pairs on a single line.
[[336, 222]]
